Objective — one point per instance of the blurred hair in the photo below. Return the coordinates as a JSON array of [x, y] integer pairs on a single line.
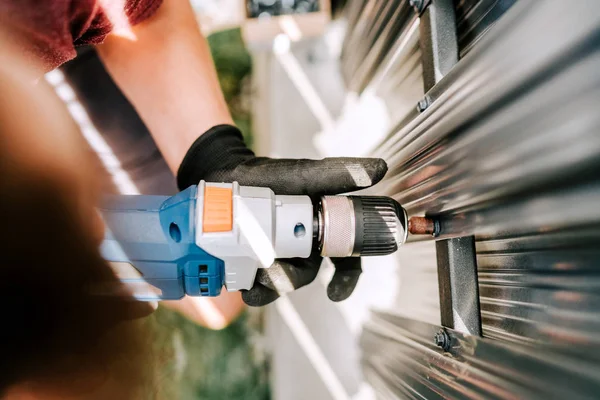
[[56, 336]]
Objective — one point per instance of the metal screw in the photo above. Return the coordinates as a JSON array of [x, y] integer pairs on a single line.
[[423, 104], [443, 340], [424, 226]]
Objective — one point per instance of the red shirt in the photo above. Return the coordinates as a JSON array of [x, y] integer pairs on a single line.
[[49, 30]]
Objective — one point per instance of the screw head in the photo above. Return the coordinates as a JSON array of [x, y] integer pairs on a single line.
[[423, 104], [443, 340]]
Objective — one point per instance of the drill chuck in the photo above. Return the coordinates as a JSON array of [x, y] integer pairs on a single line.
[[359, 226]]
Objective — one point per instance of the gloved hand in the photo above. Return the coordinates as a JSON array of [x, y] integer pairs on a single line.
[[220, 155]]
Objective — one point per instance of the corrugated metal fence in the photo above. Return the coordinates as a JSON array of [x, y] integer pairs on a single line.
[[506, 147]]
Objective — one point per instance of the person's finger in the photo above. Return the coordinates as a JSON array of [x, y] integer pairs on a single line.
[[287, 275], [311, 177], [345, 278], [259, 296]]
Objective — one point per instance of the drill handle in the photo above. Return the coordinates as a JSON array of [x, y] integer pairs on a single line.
[[150, 244]]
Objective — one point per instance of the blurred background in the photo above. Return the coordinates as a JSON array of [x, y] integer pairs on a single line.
[[486, 112]]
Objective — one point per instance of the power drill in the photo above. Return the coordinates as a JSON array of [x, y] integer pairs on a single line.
[[218, 234]]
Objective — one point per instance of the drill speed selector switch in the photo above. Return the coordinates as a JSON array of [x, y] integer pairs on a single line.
[[217, 235]]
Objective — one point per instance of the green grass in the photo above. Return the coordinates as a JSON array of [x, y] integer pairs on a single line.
[[198, 363]]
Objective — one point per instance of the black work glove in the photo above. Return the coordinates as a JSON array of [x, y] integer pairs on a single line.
[[220, 155]]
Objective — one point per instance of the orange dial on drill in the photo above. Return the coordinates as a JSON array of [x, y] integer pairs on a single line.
[[218, 210]]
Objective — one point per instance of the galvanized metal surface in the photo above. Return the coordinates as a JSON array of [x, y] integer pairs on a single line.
[[475, 17], [382, 51], [508, 151], [543, 288], [504, 123], [375, 26], [402, 362]]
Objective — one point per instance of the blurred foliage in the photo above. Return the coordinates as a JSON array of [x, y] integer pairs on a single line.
[[198, 363], [234, 66]]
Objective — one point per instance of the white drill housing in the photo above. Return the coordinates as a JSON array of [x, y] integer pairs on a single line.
[[265, 227]]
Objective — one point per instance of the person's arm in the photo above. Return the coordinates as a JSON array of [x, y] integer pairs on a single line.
[[165, 69]]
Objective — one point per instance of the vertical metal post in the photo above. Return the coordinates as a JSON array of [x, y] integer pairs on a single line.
[[459, 286], [456, 258], [438, 40]]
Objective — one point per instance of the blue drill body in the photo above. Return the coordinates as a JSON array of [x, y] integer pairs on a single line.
[[156, 235]]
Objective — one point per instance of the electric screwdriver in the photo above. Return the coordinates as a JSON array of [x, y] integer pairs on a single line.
[[217, 235]]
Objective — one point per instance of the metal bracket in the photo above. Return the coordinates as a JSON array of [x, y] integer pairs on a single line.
[[459, 286], [438, 40], [457, 265]]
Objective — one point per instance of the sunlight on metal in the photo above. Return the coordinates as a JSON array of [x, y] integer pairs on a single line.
[[403, 47], [205, 307], [305, 340], [115, 12], [290, 64], [289, 26], [257, 238], [459, 324]]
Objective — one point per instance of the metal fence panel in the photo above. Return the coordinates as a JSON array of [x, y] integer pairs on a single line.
[[507, 149]]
